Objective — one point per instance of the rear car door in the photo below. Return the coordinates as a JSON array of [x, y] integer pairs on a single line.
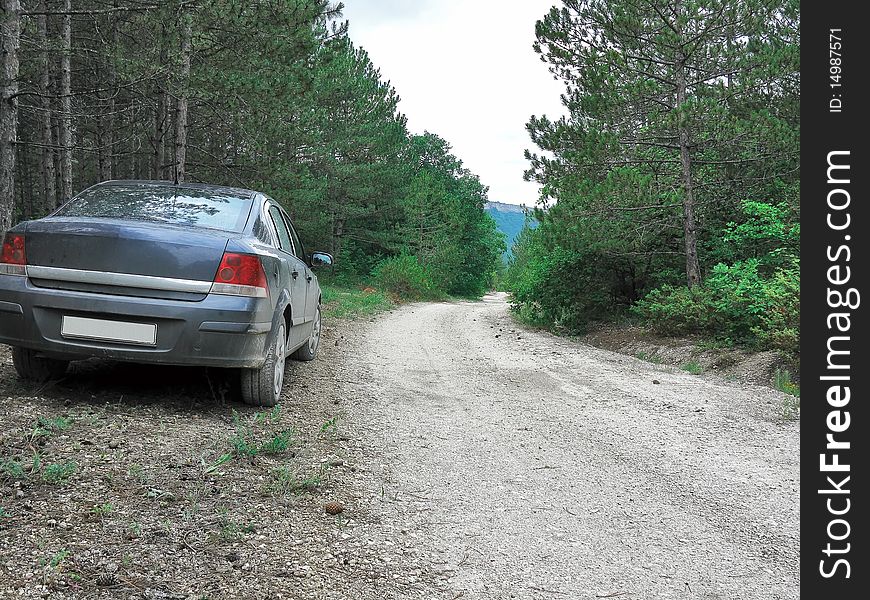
[[313, 292], [296, 269]]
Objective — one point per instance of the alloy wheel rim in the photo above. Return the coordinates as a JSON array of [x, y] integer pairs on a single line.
[[314, 340], [280, 348]]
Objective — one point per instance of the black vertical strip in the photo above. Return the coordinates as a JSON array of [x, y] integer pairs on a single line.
[[835, 226]]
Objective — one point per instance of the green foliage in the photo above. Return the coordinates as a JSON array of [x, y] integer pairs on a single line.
[[341, 302], [406, 278], [102, 510], [737, 303], [615, 237], [58, 472], [782, 381], [259, 434], [279, 99], [693, 367], [11, 470]]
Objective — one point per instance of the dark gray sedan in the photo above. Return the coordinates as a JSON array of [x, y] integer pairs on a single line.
[[152, 272]]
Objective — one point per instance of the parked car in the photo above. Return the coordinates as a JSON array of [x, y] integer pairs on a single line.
[[151, 272]]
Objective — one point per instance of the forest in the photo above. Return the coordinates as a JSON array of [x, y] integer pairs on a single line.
[[670, 186], [270, 95]]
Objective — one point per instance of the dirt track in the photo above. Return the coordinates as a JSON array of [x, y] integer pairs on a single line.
[[474, 459], [545, 469]]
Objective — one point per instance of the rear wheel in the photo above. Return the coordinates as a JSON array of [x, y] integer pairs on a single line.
[[308, 350], [29, 365], [262, 387]]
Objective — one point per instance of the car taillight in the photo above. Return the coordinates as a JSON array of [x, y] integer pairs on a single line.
[[13, 260], [240, 275]]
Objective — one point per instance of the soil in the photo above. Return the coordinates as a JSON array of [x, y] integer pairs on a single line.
[[438, 451], [736, 364]]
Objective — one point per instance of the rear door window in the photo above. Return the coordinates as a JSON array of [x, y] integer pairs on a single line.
[[283, 234], [297, 243]]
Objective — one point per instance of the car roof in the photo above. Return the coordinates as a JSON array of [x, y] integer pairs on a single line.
[[242, 192]]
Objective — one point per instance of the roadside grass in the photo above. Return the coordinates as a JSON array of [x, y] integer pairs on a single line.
[[349, 302], [651, 358], [693, 367], [284, 481], [791, 406], [102, 510], [259, 434], [58, 472]]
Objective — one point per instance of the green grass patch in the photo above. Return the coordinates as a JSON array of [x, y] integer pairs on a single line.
[[346, 302], [256, 435], [58, 472], [782, 381], [102, 510], [11, 470], [693, 367], [283, 481], [646, 356]]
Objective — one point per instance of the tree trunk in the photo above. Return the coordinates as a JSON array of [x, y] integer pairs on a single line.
[[49, 189], [10, 40], [160, 115], [693, 269], [66, 141], [25, 182], [106, 120], [181, 106]]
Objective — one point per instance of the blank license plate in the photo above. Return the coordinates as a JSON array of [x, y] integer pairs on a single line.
[[141, 334]]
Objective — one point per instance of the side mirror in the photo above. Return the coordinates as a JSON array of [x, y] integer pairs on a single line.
[[321, 259]]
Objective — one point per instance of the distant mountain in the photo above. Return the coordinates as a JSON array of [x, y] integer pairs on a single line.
[[510, 219]]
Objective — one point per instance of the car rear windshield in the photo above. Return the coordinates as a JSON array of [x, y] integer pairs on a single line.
[[212, 209]]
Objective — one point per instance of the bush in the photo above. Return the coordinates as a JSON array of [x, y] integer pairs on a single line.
[[405, 277], [738, 304]]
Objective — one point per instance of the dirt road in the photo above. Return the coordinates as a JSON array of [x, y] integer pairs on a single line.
[[540, 468], [474, 459]]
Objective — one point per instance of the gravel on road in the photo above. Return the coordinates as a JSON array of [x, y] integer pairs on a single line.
[[438, 451]]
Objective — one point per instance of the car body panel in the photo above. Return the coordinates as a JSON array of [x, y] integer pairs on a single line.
[[143, 272]]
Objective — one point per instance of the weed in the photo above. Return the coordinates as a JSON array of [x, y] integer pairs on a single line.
[[782, 381], [330, 424], [137, 472], [273, 416], [284, 481], [693, 367], [652, 358], [102, 510], [278, 443], [241, 443], [245, 442], [134, 530], [349, 303], [55, 560], [58, 472], [11, 469], [46, 427], [224, 458], [55, 424], [4, 514]]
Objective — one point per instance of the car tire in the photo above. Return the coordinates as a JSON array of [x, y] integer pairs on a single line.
[[262, 387], [29, 365], [308, 350]]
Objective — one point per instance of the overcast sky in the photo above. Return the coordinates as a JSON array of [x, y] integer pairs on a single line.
[[465, 70]]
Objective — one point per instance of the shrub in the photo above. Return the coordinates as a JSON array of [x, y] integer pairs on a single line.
[[737, 304], [405, 277]]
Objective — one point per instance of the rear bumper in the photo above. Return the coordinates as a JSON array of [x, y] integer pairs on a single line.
[[218, 331]]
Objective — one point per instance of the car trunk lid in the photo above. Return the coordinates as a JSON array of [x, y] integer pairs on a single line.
[[124, 257]]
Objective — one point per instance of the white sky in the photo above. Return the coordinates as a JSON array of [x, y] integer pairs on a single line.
[[465, 70]]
